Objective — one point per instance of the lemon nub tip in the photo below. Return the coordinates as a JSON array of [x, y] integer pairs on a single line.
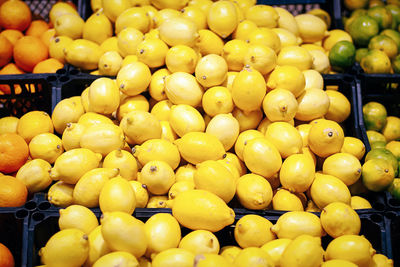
[[85, 237], [153, 168]]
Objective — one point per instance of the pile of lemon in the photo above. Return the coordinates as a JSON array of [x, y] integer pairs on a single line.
[[294, 240]]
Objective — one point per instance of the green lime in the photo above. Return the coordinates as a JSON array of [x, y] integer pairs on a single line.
[[385, 154], [395, 35], [342, 56], [375, 115], [395, 11], [377, 174], [377, 144], [382, 16], [394, 188], [385, 44], [355, 4], [362, 29], [376, 61], [373, 3], [359, 12], [396, 64], [360, 53]]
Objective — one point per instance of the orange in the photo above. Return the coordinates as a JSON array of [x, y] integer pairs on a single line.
[[15, 14], [50, 65], [34, 123], [6, 258], [13, 192], [10, 68], [37, 28], [14, 152], [47, 35], [29, 51], [6, 51], [12, 35]]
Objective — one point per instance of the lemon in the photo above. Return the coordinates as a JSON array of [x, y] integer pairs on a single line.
[[305, 250], [209, 259], [263, 16], [70, 25], [309, 107], [82, 53], [248, 89], [200, 209], [183, 88], [196, 147], [166, 132], [157, 202], [286, 37], [110, 44], [211, 70], [233, 53], [116, 258], [78, 217], [222, 18], [129, 103], [97, 27], [35, 175], [60, 194], [179, 187], [280, 105], [358, 202], [162, 223], [103, 96], [142, 196], [124, 161], [181, 58], [33, 123], [295, 56], [157, 149], [87, 189], [297, 173], [176, 4], [69, 247], [161, 16], [157, 84], [275, 248], [333, 263], [196, 15], [287, 21], [381, 260], [385, 44], [335, 36], [57, 45], [230, 252], [394, 147], [344, 166], [263, 126], [97, 246], [174, 257], [118, 228], [285, 138], [128, 40], [265, 36], [353, 248], [243, 30], [313, 79], [66, 111], [114, 8], [377, 174], [325, 138], [185, 119], [9, 124], [134, 78], [230, 166], [253, 257], [128, 60], [289, 78], [178, 31], [247, 119], [339, 108], [68, 166], [217, 100], [311, 28], [287, 201], [313, 46], [327, 189], [46, 146], [253, 231], [110, 63], [117, 195], [209, 43], [134, 17], [260, 57], [340, 219], [376, 61], [391, 130], [72, 135], [375, 137], [60, 8], [321, 62], [90, 118], [225, 127], [312, 207], [157, 176], [140, 126], [200, 241], [253, 191], [304, 130], [152, 52]]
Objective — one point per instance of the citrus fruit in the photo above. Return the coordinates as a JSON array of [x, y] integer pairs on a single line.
[[70, 25], [200, 241], [209, 259], [14, 152], [6, 258], [217, 100], [285, 138], [46, 146], [185, 119], [13, 192], [253, 231], [117, 257], [355, 4], [133, 125], [15, 15], [263, 16], [35, 175], [376, 61], [381, 15], [375, 115], [225, 127], [287, 21], [127, 78], [325, 138], [383, 153], [127, 42], [294, 256], [295, 56], [253, 191], [275, 248], [173, 257], [50, 65], [377, 174], [97, 28], [233, 53], [394, 188], [342, 55], [286, 201], [339, 106], [196, 15], [360, 54], [186, 28], [157, 176], [253, 256], [265, 36], [181, 58], [79, 217], [152, 52], [344, 166], [29, 51], [6, 51], [211, 70], [391, 130], [358, 202], [209, 43], [362, 29], [301, 167], [311, 28], [385, 44], [222, 18], [183, 88]]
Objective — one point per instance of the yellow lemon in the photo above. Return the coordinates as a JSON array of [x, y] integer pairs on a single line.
[[161, 16], [110, 63], [129, 103], [313, 79], [289, 78], [142, 196], [353, 146], [335, 36], [248, 89], [134, 17], [69, 245], [304, 130], [72, 136], [134, 78], [327, 189], [200, 241], [225, 127], [97, 28], [253, 191], [339, 107], [296, 223], [209, 43], [340, 219], [230, 252], [287, 38], [183, 88], [157, 149], [217, 100], [325, 138], [313, 104], [377, 174], [262, 157], [34, 123], [295, 56], [311, 28], [344, 166], [157, 176], [261, 58], [179, 187], [117, 195], [166, 132], [178, 31], [117, 257], [176, 4], [253, 231], [265, 36], [79, 217], [110, 44], [157, 84], [285, 138], [233, 53], [60, 194], [128, 40], [181, 58], [157, 202], [124, 161], [196, 15], [35, 175], [275, 248], [114, 8], [334, 263], [263, 16], [97, 246], [173, 257], [87, 189], [90, 118], [358, 202], [253, 256], [185, 173], [9, 124], [242, 140], [152, 52], [83, 54], [280, 105], [354, 248], [117, 240], [46, 146], [103, 96], [247, 119], [244, 29], [305, 250], [211, 70], [287, 21], [140, 126], [297, 173], [209, 259], [391, 130], [185, 119], [382, 260], [70, 25], [66, 111], [222, 18], [129, 59], [57, 45], [287, 201], [320, 61]]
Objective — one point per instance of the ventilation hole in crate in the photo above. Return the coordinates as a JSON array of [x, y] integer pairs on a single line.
[[390, 215], [44, 205], [394, 202], [37, 216], [30, 205], [376, 218], [64, 78], [52, 78], [379, 206], [74, 72], [61, 71], [22, 213]]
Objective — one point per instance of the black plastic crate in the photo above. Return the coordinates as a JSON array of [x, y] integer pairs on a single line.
[[14, 232], [41, 8], [392, 224]]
